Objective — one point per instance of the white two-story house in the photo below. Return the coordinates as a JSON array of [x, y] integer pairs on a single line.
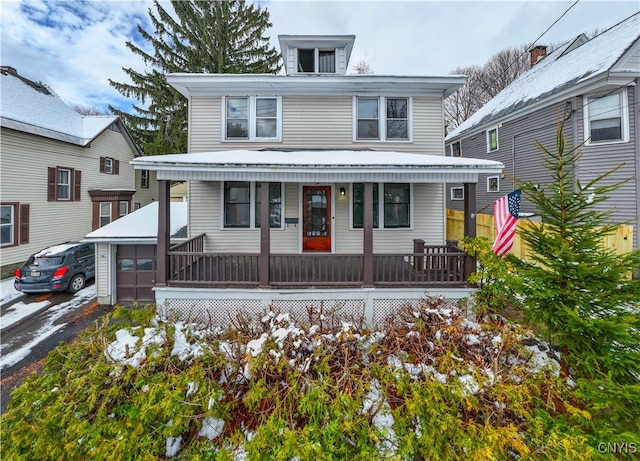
[[347, 170]]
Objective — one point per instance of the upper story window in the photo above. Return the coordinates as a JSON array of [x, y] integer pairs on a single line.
[[63, 184], [315, 60], [392, 201], [109, 165], [383, 119], [606, 118], [492, 139], [242, 204], [63, 189], [456, 151], [144, 179], [252, 118]]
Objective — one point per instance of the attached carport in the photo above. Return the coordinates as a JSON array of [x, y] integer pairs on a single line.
[[126, 254]]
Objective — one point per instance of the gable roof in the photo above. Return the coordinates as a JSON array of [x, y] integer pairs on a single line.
[[572, 68], [33, 108]]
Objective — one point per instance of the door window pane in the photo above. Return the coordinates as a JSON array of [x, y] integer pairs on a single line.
[[316, 220]]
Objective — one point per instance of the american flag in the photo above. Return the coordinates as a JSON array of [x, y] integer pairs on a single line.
[[506, 218]]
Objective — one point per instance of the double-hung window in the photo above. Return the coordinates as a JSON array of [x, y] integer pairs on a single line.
[[392, 201], [606, 118], [144, 179], [242, 204], [123, 208], [63, 184], [252, 118], [7, 225], [105, 213], [382, 119], [492, 139]]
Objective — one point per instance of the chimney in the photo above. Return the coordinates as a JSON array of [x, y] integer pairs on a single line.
[[537, 53]]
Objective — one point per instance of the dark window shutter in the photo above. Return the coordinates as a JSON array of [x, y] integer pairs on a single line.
[[51, 184], [77, 179], [24, 224], [116, 166], [95, 222], [102, 160]]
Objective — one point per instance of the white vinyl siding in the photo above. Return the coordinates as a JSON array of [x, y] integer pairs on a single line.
[[316, 122], [206, 217], [64, 220]]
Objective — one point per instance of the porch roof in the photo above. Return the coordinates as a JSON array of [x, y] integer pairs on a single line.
[[317, 166]]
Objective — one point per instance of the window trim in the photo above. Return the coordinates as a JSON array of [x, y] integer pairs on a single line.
[[108, 165], [12, 225], [624, 124], [381, 206], [453, 195], [252, 120], [489, 131], [489, 178], [253, 201], [382, 120]]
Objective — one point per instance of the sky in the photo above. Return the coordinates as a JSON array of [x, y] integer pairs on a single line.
[[75, 47]]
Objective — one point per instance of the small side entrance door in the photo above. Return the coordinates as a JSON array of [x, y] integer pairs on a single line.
[[316, 219]]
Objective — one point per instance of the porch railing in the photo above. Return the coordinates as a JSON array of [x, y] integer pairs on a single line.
[[432, 266]]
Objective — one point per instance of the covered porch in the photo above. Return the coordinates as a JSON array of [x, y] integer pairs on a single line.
[[193, 267]]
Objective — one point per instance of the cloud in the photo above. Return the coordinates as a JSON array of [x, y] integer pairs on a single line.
[[76, 46]]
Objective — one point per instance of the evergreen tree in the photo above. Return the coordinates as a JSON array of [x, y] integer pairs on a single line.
[[582, 293], [207, 37]]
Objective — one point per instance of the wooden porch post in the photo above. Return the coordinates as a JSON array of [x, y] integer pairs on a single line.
[[164, 224], [265, 235], [469, 209], [469, 225], [368, 235]]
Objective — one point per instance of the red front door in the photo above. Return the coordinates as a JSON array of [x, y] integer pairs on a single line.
[[316, 219]]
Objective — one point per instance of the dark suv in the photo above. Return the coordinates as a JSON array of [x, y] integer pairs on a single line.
[[61, 267]]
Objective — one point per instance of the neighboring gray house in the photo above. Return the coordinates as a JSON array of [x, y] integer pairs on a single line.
[[347, 170], [593, 85], [63, 174]]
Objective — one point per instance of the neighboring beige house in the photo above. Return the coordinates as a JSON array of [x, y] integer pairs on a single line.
[[146, 188], [63, 174], [179, 192], [348, 170]]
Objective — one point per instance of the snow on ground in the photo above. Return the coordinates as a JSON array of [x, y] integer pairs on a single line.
[[7, 292], [48, 327]]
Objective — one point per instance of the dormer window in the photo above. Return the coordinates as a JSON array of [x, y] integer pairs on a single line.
[[317, 61]]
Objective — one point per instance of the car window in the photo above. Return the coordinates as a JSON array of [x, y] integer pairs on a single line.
[[48, 261], [83, 252]]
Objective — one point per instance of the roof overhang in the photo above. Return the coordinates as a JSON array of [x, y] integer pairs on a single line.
[[313, 85], [317, 166]]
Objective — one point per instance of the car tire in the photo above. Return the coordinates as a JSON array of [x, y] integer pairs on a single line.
[[76, 283]]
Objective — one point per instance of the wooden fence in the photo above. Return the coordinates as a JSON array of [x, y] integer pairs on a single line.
[[621, 240]]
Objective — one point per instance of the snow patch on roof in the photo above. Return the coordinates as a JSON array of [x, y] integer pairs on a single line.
[[142, 223], [34, 105], [557, 72]]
